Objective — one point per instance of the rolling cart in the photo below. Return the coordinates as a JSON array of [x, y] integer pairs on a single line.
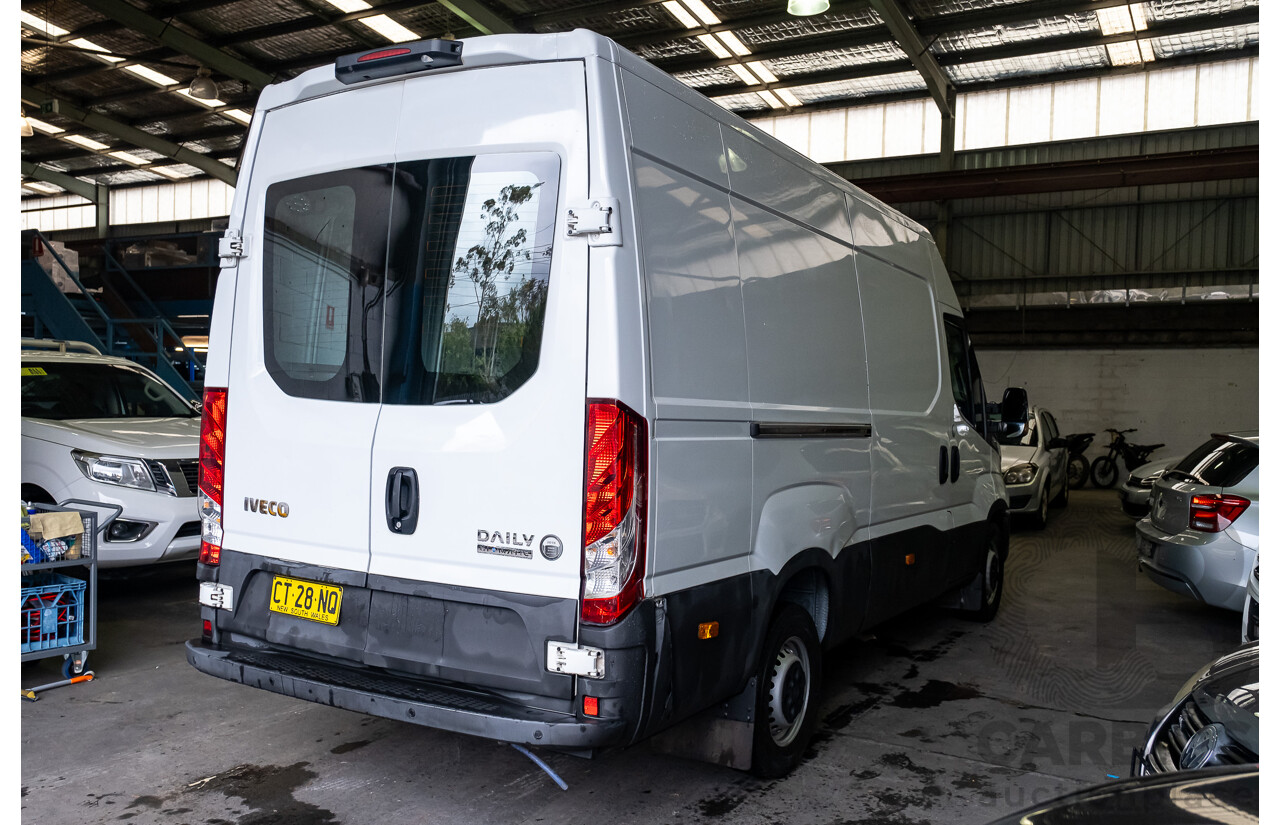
[[59, 606]]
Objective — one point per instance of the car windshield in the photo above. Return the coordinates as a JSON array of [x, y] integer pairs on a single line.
[[1219, 462], [58, 390], [1029, 437]]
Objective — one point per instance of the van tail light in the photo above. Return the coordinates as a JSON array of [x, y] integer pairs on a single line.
[[614, 512], [213, 452], [1214, 513]]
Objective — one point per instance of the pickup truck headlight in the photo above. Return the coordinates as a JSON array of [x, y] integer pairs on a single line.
[[1020, 474], [114, 469]]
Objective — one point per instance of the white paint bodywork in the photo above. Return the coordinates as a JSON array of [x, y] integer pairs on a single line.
[[750, 286]]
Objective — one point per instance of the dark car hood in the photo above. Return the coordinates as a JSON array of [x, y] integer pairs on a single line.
[[1228, 796], [1228, 693]]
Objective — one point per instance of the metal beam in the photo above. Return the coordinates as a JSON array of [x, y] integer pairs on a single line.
[[162, 32], [479, 16], [76, 186], [130, 134], [935, 79]]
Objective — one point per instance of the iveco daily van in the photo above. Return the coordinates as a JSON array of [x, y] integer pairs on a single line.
[[549, 402]]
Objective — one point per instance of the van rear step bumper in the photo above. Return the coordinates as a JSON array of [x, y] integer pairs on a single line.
[[433, 704]]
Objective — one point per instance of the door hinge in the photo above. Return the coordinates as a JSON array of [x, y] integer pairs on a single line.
[[565, 657], [231, 248], [595, 219]]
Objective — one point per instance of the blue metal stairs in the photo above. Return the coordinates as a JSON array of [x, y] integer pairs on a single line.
[[107, 322]]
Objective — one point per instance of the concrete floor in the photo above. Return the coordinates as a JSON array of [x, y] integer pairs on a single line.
[[930, 719]]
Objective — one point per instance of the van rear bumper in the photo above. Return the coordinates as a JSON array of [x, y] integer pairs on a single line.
[[433, 704]]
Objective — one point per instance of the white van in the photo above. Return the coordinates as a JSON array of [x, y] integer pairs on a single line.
[[551, 403]]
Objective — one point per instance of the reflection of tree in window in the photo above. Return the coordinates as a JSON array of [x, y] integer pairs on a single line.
[[494, 298]]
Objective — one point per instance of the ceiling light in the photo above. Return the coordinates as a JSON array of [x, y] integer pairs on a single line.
[[27, 131], [238, 115], [703, 13], [90, 46], [714, 45], [125, 156], [762, 71], [735, 45], [744, 75], [38, 186], [47, 128], [152, 75], [804, 8], [212, 102], [41, 25], [789, 98], [88, 143], [390, 29], [170, 172], [202, 85], [767, 97], [349, 6], [680, 13]]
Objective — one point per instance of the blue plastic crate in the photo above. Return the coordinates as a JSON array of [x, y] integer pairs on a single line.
[[52, 609]]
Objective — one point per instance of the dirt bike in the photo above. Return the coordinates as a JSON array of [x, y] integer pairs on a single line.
[[1077, 464], [1106, 472]]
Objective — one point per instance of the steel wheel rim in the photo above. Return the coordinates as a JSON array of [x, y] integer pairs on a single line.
[[788, 692]]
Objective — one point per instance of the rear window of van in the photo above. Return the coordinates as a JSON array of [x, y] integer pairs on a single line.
[[423, 282]]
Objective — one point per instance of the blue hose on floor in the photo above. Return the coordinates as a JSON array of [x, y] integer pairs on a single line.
[[542, 765]]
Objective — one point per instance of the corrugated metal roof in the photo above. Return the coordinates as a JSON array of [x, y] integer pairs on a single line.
[[841, 57]]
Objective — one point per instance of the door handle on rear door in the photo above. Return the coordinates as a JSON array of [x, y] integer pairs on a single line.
[[402, 500]]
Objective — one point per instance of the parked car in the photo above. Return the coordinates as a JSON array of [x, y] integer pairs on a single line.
[[1135, 493], [1212, 796], [1249, 617], [108, 435], [1201, 538], [1212, 720], [1034, 464], [573, 534]]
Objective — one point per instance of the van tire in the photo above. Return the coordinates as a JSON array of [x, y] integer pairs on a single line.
[[788, 685], [991, 577]]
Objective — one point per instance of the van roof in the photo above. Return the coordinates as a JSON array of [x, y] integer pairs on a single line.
[[579, 44]]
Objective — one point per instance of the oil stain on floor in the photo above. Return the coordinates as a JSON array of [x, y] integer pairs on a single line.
[[269, 791]]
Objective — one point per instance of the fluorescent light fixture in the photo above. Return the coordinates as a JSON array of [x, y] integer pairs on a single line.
[[238, 115], [744, 75], [804, 8], [390, 29], [703, 13], [680, 13], [762, 71], [47, 128], [90, 46], [158, 78], [88, 143], [211, 102], [349, 6], [735, 45], [43, 188], [125, 156], [767, 97], [788, 98], [41, 25], [714, 45], [170, 172]]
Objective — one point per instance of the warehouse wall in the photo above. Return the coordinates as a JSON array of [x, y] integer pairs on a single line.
[[1178, 396]]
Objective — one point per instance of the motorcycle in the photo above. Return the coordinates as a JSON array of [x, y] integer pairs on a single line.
[[1105, 472], [1077, 464]]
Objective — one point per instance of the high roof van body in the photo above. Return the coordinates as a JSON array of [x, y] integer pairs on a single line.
[[549, 402]]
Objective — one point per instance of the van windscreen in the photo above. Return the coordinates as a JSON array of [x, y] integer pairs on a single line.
[[419, 283]]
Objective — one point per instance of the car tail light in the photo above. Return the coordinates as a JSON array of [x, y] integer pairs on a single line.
[[213, 452], [614, 512], [1214, 513]]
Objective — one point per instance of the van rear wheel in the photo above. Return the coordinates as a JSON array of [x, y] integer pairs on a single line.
[[787, 693]]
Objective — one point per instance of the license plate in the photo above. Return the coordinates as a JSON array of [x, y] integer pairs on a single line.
[[306, 600]]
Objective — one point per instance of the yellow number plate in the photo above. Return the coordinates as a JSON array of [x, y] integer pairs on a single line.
[[306, 600]]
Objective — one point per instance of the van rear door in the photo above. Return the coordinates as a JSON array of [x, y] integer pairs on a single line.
[[477, 474]]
